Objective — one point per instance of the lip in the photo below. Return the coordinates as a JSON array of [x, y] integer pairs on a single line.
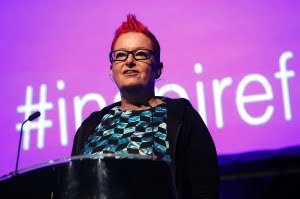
[[130, 72]]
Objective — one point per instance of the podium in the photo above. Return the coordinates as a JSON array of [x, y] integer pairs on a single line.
[[93, 177]]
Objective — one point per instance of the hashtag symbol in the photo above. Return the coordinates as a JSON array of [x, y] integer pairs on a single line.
[[41, 123]]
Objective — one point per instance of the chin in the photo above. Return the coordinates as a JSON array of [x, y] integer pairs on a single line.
[[132, 87]]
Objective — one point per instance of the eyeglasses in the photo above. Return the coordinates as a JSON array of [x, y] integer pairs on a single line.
[[139, 54]]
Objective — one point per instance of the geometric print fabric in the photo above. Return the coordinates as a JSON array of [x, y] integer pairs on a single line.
[[131, 132]]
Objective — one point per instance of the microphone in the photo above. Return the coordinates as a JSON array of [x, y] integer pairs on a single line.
[[34, 116], [30, 118]]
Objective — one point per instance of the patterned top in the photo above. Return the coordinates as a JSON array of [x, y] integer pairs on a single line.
[[131, 132]]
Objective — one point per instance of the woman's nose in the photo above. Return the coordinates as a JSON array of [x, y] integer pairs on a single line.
[[130, 61]]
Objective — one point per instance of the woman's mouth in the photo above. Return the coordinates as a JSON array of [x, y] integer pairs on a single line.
[[130, 72]]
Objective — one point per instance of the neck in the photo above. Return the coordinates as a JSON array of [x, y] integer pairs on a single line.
[[137, 100]]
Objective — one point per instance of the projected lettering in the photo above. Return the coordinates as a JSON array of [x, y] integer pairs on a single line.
[[28, 108], [219, 87]]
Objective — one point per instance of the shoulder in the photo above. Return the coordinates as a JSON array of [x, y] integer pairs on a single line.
[[178, 105], [178, 108], [87, 127], [177, 102], [96, 116]]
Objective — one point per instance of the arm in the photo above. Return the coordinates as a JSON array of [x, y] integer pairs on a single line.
[[201, 163], [77, 146], [86, 128]]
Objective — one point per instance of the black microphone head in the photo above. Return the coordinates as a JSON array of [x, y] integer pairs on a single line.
[[34, 116]]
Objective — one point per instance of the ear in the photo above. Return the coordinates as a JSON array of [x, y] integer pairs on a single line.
[[159, 70], [110, 70], [111, 74]]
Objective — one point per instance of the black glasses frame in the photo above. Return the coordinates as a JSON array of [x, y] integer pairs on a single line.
[[133, 54]]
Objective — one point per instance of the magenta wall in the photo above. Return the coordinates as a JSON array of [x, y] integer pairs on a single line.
[[238, 63]]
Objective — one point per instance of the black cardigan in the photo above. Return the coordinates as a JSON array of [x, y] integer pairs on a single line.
[[193, 151]]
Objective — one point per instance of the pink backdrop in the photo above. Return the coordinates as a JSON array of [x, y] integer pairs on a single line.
[[237, 62]]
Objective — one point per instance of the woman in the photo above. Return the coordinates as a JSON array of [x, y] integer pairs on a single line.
[[145, 124]]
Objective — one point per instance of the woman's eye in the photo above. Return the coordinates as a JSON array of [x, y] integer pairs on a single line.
[[141, 54], [120, 54]]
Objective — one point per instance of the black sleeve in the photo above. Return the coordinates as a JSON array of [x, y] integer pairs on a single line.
[[201, 167], [77, 142], [87, 127]]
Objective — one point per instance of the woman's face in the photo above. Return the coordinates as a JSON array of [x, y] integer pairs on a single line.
[[131, 74]]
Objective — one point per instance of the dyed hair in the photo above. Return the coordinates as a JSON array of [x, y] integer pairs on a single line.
[[133, 25]]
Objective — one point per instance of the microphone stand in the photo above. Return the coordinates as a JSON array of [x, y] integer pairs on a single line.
[[30, 118], [19, 146]]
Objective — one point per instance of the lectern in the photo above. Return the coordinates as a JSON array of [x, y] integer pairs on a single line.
[[93, 177]]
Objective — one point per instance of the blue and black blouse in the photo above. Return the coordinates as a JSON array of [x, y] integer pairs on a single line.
[[140, 132]]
